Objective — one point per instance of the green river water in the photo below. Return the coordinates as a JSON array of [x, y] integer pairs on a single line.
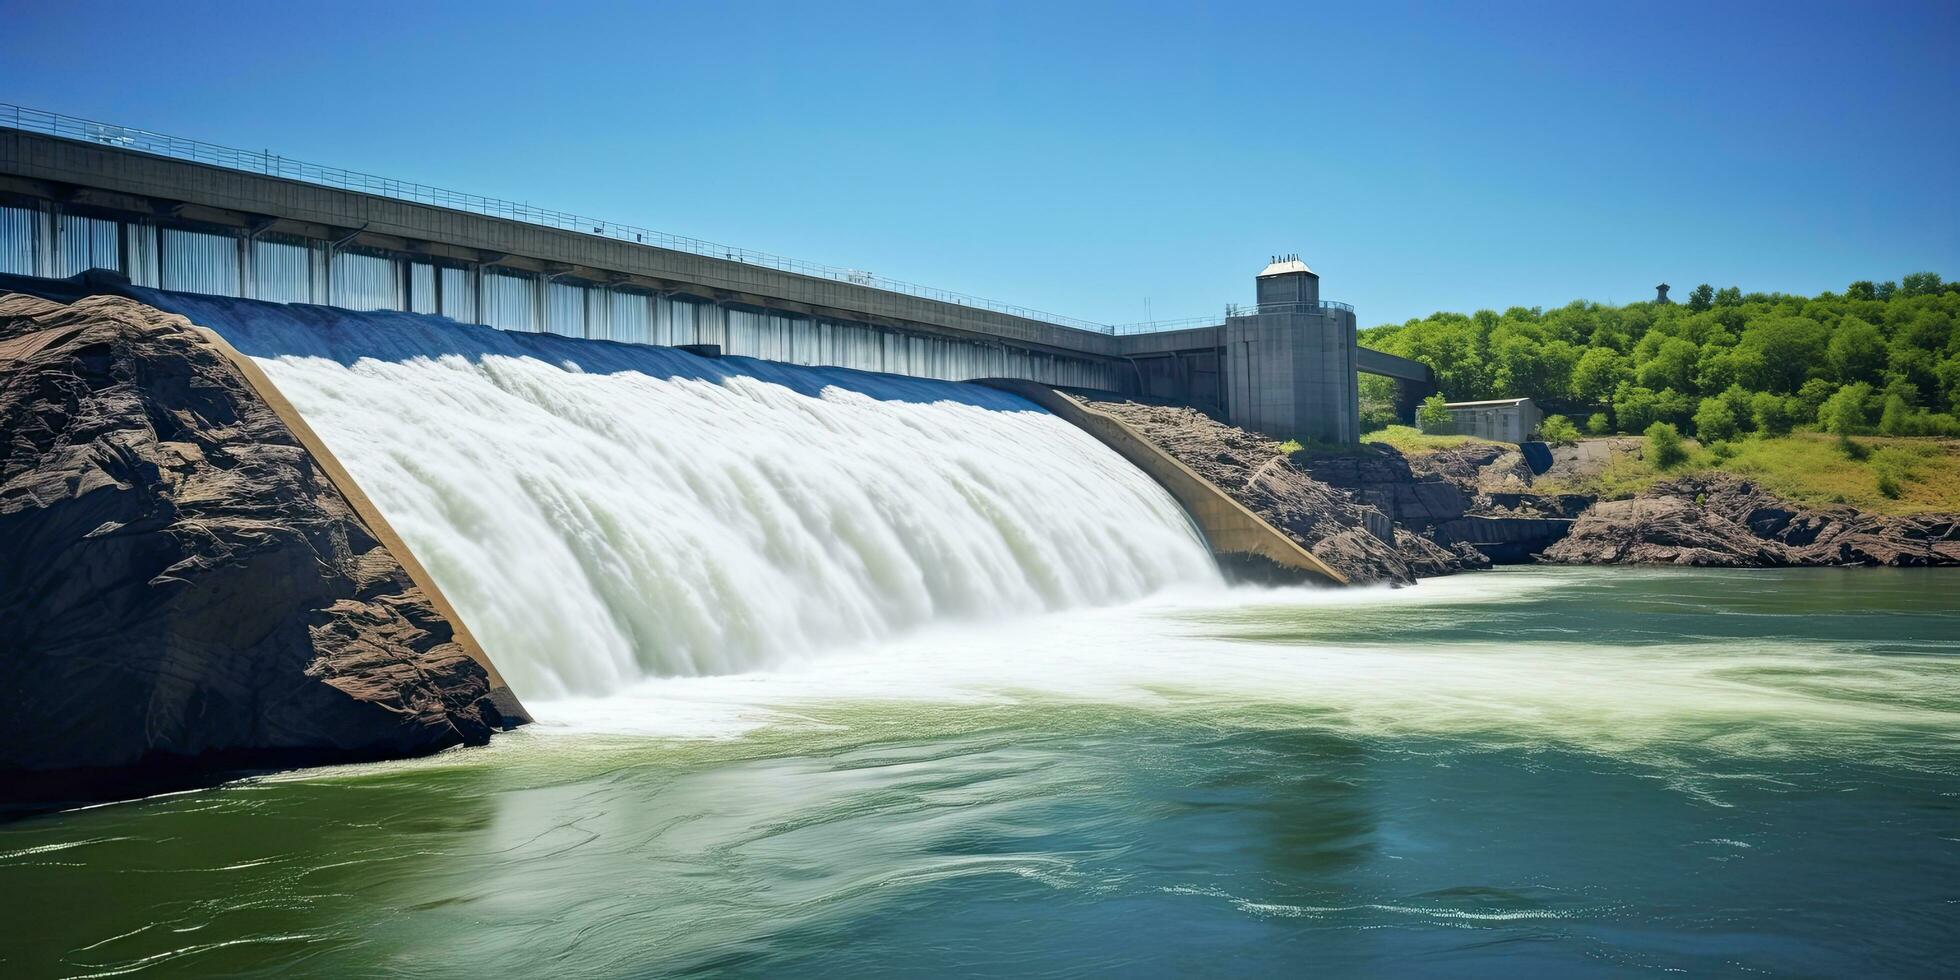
[[1549, 772]]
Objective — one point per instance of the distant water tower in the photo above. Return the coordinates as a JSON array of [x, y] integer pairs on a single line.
[[1660, 294]]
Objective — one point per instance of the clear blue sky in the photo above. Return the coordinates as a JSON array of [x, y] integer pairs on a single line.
[[1113, 162]]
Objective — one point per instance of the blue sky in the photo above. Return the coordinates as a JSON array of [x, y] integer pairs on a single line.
[[1114, 162]]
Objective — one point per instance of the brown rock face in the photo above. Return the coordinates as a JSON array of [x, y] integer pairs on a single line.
[[180, 585], [1667, 530], [1726, 521], [1342, 528]]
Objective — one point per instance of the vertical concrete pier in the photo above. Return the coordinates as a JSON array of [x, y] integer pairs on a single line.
[[1290, 360]]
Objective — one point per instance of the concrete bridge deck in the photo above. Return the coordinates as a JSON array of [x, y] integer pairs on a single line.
[[67, 205]]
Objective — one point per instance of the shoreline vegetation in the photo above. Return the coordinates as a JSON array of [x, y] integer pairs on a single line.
[[1845, 403], [1878, 358]]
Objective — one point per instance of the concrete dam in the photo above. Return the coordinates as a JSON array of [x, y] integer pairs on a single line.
[[603, 513], [193, 217], [620, 460]]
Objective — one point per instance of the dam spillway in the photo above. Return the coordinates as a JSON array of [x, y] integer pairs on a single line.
[[604, 513]]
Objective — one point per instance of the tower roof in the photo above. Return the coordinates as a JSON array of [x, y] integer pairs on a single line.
[[1284, 265]]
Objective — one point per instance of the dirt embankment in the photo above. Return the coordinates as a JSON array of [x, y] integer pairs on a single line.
[[183, 587]]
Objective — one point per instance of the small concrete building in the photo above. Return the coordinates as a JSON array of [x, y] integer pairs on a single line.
[[1500, 419]]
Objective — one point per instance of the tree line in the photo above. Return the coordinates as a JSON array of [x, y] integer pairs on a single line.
[[1878, 357]]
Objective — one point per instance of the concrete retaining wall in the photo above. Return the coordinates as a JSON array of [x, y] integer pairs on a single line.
[[500, 692], [1229, 527]]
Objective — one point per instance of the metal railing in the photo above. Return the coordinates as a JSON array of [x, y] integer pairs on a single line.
[[1255, 309], [1231, 310], [1161, 326], [273, 165]]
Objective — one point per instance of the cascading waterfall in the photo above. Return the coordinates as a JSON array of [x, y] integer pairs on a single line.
[[602, 513]]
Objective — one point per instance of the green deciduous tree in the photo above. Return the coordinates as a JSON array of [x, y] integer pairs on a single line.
[[1773, 414], [1856, 352], [1644, 363], [1848, 410], [1671, 366], [1635, 408], [1810, 397], [1714, 419], [1598, 373], [1788, 346], [1920, 284]]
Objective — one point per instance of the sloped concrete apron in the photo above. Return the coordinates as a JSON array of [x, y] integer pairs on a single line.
[[1233, 532]]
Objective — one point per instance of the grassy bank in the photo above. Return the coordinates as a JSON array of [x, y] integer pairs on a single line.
[[1807, 468], [1410, 441]]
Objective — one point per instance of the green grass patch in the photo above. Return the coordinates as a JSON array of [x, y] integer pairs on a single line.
[[1881, 474], [1411, 441]]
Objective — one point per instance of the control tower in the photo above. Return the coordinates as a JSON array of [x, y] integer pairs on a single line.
[[1290, 361]]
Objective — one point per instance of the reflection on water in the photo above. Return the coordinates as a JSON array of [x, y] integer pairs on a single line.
[[1562, 773]]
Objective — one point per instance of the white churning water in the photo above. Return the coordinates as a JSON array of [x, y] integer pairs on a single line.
[[605, 513]]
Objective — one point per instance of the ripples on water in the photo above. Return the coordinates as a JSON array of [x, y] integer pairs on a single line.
[[1551, 772]]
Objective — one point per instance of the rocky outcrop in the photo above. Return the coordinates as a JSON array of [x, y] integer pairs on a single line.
[[1725, 521], [1352, 535], [1666, 530], [183, 585], [1383, 479]]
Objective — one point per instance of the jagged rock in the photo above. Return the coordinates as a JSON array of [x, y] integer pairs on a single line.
[[1506, 539], [1665, 530], [1463, 463], [1721, 520], [1827, 536], [1428, 557], [181, 586], [1525, 504], [1382, 478]]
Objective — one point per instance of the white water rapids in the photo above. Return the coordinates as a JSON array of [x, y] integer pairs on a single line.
[[605, 513]]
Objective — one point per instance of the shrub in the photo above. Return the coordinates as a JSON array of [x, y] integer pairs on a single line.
[[1598, 424], [1558, 430], [1664, 445], [1901, 419], [1893, 467], [1888, 484], [1722, 450], [1434, 416], [1897, 418]]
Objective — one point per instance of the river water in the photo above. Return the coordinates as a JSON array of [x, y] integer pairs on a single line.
[[1552, 772]]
